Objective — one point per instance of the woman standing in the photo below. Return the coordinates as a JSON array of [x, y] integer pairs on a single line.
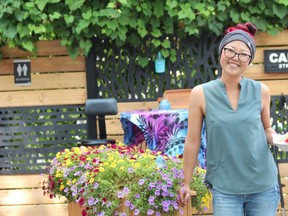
[[241, 171]]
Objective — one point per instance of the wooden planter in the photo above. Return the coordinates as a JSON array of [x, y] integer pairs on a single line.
[[75, 210]]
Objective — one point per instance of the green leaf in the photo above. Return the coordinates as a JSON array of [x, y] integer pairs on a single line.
[[28, 45], [166, 43], [82, 25], [142, 61], [86, 46], [74, 4], [156, 42], [158, 8], [221, 6], [279, 10], [234, 15], [284, 2], [55, 15], [23, 30], [122, 33], [156, 32], [68, 18], [87, 15], [171, 3], [11, 31], [173, 55], [134, 40], [113, 24], [165, 53], [73, 52], [123, 2], [41, 4]]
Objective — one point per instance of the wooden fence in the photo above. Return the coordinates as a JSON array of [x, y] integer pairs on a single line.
[[59, 80]]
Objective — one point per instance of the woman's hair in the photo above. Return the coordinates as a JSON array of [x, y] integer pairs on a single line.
[[248, 27]]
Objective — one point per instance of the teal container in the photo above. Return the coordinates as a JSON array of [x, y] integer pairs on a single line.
[[164, 105], [160, 64]]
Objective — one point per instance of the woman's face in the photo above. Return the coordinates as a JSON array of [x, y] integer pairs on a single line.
[[235, 64]]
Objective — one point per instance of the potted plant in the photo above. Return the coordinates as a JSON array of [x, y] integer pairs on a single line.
[[100, 179]]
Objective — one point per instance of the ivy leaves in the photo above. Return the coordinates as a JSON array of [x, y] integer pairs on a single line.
[[75, 22]]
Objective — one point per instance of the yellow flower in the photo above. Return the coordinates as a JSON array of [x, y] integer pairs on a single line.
[[59, 174], [68, 162], [101, 169], [91, 180], [113, 165], [122, 168], [62, 187], [136, 165], [69, 182]]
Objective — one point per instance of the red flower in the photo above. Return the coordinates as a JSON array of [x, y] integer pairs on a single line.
[[81, 201], [104, 200], [84, 213]]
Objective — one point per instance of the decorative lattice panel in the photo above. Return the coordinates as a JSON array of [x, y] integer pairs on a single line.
[[30, 136], [120, 76], [279, 118]]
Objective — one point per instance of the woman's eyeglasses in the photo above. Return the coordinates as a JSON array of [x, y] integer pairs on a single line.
[[242, 57]]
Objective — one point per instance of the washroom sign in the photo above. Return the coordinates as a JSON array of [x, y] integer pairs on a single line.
[[22, 72], [276, 61]]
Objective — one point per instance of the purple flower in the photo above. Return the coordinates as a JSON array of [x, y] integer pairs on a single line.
[[96, 185], [164, 188], [130, 170], [91, 201], [136, 212], [125, 190], [137, 196], [127, 203], [150, 212], [120, 194], [158, 214], [164, 176], [132, 206], [175, 205], [141, 181], [157, 192], [151, 200], [122, 214]]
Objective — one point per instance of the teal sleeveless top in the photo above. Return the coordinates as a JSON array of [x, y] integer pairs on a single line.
[[239, 160]]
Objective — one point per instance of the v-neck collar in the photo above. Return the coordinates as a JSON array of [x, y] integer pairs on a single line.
[[241, 83]]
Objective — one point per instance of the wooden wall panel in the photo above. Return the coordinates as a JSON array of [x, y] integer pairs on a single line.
[[43, 97], [264, 39], [39, 81], [45, 48], [47, 64]]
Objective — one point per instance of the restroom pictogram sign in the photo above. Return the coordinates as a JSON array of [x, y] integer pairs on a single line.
[[22, 72]]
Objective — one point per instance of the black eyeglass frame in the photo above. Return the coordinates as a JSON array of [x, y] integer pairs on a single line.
[[235, 53]]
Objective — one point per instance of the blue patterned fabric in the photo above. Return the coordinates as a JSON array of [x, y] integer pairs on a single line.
[[163, 130]]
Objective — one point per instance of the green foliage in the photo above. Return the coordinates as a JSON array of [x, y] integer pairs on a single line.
[[75, 22]]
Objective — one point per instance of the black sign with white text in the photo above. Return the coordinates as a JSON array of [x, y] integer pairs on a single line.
[[22, 72], [275, 61]]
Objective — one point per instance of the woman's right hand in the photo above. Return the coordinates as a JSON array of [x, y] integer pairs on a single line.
[[184, 195]]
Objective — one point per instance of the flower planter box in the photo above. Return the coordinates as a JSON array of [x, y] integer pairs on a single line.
[[75, 210]]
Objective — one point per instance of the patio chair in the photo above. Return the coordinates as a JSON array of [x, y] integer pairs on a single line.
[[96, 109], [178, 98]]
